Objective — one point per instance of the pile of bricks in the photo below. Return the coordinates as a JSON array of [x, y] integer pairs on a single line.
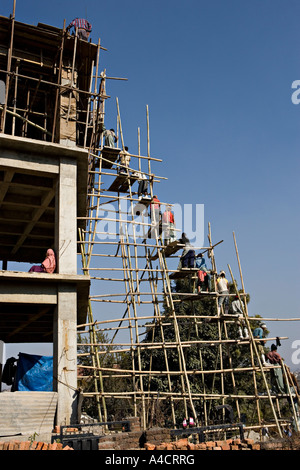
[[35, 445], [184, 444]]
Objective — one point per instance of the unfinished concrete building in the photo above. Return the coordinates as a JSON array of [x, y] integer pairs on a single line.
[[60, 185], [45, 77]]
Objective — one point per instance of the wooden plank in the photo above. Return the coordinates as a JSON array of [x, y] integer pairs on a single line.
[[170, 249], [121, 183], [111, 154], [184, 272]]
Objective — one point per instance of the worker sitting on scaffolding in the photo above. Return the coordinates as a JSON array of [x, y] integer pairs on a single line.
[[276, 374], [258, 334], [238, 311], [168, 225], [223, 290], [124, 160], [187, 259], [202, 274], [83, 26], [155, 215]]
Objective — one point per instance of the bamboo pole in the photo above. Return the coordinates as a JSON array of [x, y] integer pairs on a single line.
[[290, 395], [257, 355], [59, 81], [153, 287], [94, 356], [143, 396], [9, 59], [15, 102], [125, 265], [251, 346]]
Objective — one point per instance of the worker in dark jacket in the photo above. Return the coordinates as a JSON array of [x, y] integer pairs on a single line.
[[276, 373], [187, 259]]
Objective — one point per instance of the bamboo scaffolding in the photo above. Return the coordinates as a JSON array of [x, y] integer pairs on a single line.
[[9, 59], [245, 313], [128, 315], [131, 332]]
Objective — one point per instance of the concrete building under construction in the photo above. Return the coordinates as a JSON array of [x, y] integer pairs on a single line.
[[59, 180], [45, 93]]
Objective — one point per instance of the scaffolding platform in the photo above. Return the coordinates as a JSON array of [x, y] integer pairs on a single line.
[[109, 156], [169, 250], [141, 206], [199, 296], [145, 201], [183, 272], [122, 183]]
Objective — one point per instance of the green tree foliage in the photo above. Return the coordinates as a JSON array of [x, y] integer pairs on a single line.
[[200, 356]]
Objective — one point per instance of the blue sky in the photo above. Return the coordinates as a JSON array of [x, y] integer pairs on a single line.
[[217, 77]]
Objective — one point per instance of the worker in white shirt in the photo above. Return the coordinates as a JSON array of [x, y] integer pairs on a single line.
[[237, 308], [223, 289]]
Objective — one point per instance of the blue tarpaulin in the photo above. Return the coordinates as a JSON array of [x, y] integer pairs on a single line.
[[34, 373]]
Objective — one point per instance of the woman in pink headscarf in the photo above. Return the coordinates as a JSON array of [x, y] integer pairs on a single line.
[[47, 266]]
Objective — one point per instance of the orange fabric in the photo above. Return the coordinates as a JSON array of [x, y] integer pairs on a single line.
[[201, 275], [156, 203], [168, 216]]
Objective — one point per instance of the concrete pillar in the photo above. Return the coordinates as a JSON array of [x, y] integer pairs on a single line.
[[65, 321], [66, 214], [65, 354]]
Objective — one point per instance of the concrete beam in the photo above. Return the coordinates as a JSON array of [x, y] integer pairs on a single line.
[[66, 218]]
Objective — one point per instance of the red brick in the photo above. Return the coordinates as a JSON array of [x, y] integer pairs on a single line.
[[225, 447], [255, 447], [33, 445], [1, 445], [149, 446], [233, 447], [217, 448], [161, 446], [181, 444], [236, 442], [200, 446], [191, 446], [68, 448], [220, 443], [210, 444], [169, 446]]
